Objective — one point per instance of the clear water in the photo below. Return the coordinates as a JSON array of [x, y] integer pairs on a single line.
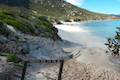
[[103, 29], [92, 33]]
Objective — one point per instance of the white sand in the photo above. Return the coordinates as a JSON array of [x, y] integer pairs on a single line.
[[80, 35], [70, 28]]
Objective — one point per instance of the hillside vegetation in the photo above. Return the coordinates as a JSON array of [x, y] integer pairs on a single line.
[[36, 26], [56, 9]]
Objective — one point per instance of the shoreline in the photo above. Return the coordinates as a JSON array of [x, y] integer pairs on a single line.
[[92, 55], [73, 22], [70, 33]]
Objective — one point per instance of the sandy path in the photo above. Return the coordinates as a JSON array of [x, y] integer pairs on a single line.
[[73, 70], [80, 71]]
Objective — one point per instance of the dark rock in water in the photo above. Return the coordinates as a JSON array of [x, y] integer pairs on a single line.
[[58, 22], [77, 20], [67, 20]]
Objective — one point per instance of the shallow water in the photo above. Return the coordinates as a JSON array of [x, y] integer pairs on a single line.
[[103, 29], [93, 33]]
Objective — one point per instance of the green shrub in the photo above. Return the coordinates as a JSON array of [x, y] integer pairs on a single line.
[[13, 58], [29, 26]]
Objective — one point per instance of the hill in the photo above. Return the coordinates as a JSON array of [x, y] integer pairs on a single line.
[[58, 9]]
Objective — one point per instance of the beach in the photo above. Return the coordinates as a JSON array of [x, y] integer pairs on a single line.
[[93, 62]]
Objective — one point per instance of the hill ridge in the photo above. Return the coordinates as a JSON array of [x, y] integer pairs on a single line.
[[59, 9]]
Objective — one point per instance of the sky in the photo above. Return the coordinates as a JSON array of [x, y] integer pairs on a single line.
[[101, 6]]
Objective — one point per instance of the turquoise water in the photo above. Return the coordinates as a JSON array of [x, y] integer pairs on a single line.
[[91, 34], [103, 29]]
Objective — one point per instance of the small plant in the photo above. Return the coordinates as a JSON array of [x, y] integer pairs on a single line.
[[13, 58]]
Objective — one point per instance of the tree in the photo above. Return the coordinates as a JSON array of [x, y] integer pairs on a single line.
[[113, 44]]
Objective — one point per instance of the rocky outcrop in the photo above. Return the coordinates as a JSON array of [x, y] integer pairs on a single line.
[[35, 27], [22, 43], [14, 40]]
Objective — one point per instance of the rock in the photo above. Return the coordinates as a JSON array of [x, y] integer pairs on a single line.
[[6, 72], [77, 20], [3, 59], [9, 71], [58, 22], [3, 39], [68, 20], [4, 30]]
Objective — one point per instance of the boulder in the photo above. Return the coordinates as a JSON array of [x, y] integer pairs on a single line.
[[68, 20], [4, 30], [58, 22]]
